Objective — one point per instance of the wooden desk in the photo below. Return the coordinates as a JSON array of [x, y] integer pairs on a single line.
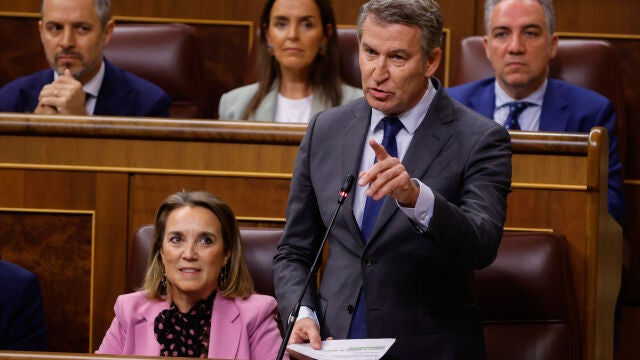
[[559, 184], [33, 355], [73, 190]]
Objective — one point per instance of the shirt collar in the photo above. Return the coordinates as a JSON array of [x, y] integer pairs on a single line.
[[536, 97], [411, 118], [92, 87]]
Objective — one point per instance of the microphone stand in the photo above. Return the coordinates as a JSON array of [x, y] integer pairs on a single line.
[[344, 192]]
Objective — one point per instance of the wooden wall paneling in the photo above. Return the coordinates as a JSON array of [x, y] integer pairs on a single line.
[[56, 246], [101, 278], [21, 49], [256, 200], [30, 6], [109, 251], [587, 16], [460, 19], [56, 220], [617, 17]]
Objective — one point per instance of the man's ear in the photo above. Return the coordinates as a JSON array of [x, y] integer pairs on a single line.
[[485, 44], [108, 31], [553, 46], [433, 61]]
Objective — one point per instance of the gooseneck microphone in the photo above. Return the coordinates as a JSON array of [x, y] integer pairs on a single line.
[[342, 195]]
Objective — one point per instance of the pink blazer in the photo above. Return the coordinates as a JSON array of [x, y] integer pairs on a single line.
[[241, 329]]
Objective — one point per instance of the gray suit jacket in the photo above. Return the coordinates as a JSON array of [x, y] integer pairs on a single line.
[[419, 285], [234, 103]]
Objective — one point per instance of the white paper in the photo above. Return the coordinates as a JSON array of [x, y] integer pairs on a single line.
[[352, 349]]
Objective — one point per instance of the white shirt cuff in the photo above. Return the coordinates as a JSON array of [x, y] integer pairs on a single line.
[[306, 312], [423, 212]]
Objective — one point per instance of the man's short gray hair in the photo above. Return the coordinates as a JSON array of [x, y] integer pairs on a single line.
[[425, 14], [547, 6], [103, 9]]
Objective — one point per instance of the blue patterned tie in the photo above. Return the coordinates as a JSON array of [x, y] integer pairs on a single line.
[[515, 109], [372, 207]]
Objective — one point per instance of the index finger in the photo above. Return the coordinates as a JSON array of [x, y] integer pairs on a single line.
[[379, 150]]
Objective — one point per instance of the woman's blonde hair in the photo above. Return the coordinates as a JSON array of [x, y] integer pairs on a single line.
[[235, 280]]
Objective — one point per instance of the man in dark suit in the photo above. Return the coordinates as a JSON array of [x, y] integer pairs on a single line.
[[22, 325], [442, 183], [80, 81], [520, 41]]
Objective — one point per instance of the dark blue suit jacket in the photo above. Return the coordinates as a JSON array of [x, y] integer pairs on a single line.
[[22, 325], [121, 94], [565, 107]]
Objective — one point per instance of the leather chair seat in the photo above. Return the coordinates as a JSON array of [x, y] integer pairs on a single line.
[[168, 56], [527, 300]]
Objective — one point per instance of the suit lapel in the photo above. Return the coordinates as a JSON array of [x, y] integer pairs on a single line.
[[356, 127], [113, 98], [555, 110], [317, 105], [146, 328], [226, 329], [267, 108], [485, 101]]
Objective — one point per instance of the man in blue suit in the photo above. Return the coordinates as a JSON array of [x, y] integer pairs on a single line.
[[22, 325], [519, 43], [80, 81]]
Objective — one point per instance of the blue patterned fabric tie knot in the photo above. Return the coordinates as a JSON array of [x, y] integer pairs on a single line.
[[515, 109]]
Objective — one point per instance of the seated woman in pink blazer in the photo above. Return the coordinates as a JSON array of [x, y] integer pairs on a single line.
[[197, 299]]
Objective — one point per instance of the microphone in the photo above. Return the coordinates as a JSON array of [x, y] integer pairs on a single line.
[[342, 195]]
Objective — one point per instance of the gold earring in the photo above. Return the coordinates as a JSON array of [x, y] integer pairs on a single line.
[[224, 274], [163, 281]]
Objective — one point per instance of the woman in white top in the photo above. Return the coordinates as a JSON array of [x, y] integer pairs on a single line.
[[298, 66]]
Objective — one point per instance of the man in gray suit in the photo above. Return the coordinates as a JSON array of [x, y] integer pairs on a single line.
[[440, 183]]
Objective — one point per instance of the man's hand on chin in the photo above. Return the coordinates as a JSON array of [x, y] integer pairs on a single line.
[[64, 96]]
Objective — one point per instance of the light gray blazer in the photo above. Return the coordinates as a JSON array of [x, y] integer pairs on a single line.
[[234, 103]]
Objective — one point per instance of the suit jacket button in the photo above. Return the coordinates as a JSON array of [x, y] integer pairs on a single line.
[[366, 262], [350, 309]]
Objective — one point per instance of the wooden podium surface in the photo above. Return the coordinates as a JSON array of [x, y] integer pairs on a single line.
[[74, 189]]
